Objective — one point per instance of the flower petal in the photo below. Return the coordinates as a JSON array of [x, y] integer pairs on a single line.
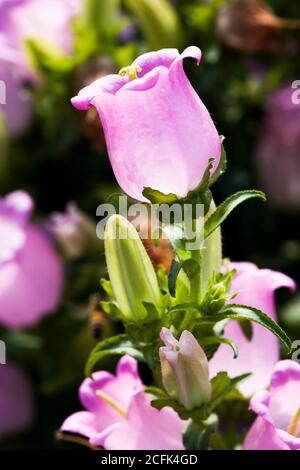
[[28, 291], [147, 428], [191, 52], [109, 84], [285, 393], [83, 423], [263, 436], [151, 60], [256, 288]]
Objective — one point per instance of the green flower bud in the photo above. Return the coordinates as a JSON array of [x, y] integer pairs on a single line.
[[130, 270]]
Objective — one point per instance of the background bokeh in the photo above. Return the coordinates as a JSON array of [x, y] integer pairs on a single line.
[[58, 155]]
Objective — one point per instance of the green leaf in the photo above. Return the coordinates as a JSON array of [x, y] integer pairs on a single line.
[[191, 268], [152, 312], [117, 345], [205, 181], [156, 392], [47, 58], [247, 329], [196, 437], [222, 384], [224, 209], [174, 271], [215, 340], [244, 312], [157, 197], [184, 307], [107, 287]]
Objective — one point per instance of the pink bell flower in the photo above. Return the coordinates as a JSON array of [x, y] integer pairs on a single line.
[[277, 426], [16, 401], [31, 274], [119, 415], [256, 288], [158, 132], [49, 21]]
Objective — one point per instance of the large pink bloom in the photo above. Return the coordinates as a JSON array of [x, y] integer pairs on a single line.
[[158, 132], [30, 271], [47, 20], [277, 426], [256, 288], [16, 402], [119, 415]]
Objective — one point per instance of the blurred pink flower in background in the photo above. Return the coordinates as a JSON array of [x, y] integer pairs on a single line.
[[31, 274], [158, 132], [119, 414], [277, 426], [74, 230], [278, 150], [48, 21], [256, 288], [16, 400]]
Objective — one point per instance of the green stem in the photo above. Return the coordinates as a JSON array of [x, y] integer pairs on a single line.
[[195, 284], [196, 281]]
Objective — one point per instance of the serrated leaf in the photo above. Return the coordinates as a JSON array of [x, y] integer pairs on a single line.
[[245, 312], [224, 209], [117, 345]]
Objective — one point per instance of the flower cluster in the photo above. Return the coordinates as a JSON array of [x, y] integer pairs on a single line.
[[185, 323]]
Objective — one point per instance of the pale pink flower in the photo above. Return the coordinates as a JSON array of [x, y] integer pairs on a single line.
[[158, 132], [31, 274], [256, 288], [277, 426], [119, 415]]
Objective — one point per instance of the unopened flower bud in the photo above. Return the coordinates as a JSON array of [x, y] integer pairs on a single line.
[[130, 270], [184, 369]]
